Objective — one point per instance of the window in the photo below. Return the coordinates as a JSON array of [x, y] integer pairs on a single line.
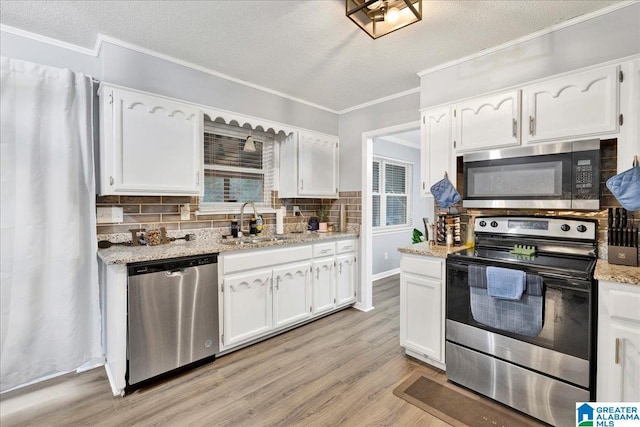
[[391, 194], [232, 175]]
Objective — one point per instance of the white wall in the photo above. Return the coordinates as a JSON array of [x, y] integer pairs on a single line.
[[130, 68], [15, 46], [137, 70], [389, 242], [351, 126], [597, 40]]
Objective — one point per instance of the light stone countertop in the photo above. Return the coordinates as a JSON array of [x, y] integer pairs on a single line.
[[617, 273], [425, 249], [131, 254]]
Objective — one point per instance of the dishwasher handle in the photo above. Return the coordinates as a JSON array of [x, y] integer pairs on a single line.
[[179, 272]]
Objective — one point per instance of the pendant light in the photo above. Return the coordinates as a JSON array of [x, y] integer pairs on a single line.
[[249, 145], [378, 18]]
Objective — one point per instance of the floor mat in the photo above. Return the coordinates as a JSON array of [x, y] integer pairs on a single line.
[[455, 408]]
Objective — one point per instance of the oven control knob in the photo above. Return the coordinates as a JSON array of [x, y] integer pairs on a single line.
[[482, 223], [494, 224], [581, 228], [565, 227]]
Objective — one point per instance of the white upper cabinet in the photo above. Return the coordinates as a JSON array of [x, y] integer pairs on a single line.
[[579, 105], [487, 122], [149, 145], [309, 165], [436, 148]]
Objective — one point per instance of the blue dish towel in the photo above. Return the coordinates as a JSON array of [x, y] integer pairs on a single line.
[[505, 283], [445, 193]]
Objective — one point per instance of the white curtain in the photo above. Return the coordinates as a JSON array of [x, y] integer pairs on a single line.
[[50, 318]]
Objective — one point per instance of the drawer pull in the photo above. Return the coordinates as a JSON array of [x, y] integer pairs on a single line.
[[617, 351]]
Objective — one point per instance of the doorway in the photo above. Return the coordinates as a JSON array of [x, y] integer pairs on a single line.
[[402, 136]]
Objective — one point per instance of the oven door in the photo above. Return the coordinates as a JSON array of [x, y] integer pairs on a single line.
[[563, 344]]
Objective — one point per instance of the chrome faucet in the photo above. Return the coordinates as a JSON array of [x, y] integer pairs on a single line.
[[255, 214]]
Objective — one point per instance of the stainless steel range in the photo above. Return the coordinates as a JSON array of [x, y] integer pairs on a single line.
[[520, 314]]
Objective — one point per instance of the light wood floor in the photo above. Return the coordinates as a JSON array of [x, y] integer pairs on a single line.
[[337, 371]]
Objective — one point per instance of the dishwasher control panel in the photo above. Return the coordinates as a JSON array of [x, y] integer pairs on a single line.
[[155, 266]]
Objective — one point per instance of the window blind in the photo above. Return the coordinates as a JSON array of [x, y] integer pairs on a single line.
[[233, 175], [391, 193]]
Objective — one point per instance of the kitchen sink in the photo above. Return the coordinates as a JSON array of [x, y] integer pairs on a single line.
[[252, 240]]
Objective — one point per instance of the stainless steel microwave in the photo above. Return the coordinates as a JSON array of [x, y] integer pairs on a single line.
[[547, 176]]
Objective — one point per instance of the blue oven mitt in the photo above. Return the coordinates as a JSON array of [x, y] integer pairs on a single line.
[[626, 187], [445, 193]]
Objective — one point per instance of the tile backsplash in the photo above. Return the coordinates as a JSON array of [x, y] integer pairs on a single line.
[[164, 211]]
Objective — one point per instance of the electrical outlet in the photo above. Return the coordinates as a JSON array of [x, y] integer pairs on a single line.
[[296, 211], [185, 212]]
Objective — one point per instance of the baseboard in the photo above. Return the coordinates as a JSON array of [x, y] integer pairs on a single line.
[[385, 274]]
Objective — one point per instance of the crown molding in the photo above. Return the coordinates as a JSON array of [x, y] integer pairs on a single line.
[[49, 40], [380, 100], [512, 43]]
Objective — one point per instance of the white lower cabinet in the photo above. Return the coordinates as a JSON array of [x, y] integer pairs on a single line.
[[345, 279], [291, 294], [422, 299], [618, 373], [323, 285], [267, 290], [247, 306]]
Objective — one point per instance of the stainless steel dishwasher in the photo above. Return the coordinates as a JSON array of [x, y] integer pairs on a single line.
[[172, 315]]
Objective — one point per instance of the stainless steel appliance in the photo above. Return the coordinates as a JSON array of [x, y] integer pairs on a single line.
[[546, 176], [173, 315], [537, 353]]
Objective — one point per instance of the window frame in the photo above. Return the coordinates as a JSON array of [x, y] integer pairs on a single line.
[[382, 228], [264, 206]]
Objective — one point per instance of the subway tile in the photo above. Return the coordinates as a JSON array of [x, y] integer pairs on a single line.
[[159, 208], [141, 218], [130, 209], [166, 225], [131, 200], [110, 229], [107, 200], [178, 200]]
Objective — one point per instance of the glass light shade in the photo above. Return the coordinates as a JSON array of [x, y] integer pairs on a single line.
[[371, 20], [392, 16], [249, 145]]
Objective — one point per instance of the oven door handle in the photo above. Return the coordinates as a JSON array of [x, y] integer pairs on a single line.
[[557, 276]]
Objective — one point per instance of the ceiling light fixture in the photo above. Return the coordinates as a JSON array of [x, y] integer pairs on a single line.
[[378, 18], [249, 145]]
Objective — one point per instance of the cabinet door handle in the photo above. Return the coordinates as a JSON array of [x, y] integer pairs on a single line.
[[110, 180], [515, 128], [531, 125], [198, 178], [340, 268], [617, 360], [302, 184], [277, 283], [317, 273]]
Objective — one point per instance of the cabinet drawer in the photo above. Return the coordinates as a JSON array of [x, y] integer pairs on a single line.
[[324, 249], [422, 267], [344, 246], [264, 258], [625, 304]]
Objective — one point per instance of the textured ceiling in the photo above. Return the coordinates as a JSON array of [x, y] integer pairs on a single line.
[[307, 49]]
